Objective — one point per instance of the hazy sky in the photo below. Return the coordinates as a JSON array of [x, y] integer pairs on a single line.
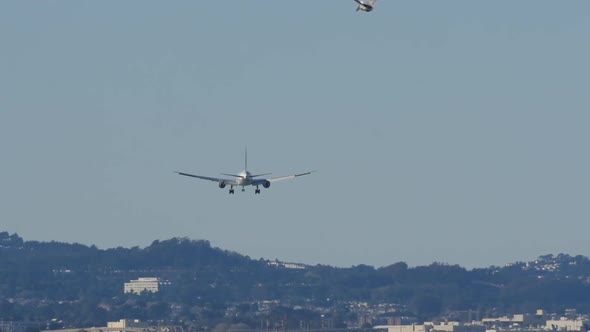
[[448, 131]]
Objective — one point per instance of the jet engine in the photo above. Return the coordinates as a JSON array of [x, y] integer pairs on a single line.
[[221, 184], [266, 184]]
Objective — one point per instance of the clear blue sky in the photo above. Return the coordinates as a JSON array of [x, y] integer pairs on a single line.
[[449, 131]]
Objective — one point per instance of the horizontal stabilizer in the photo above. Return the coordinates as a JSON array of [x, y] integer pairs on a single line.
[[235, 176], [257, 175]]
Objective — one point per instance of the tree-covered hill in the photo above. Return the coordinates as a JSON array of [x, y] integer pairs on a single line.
[[39, 280]]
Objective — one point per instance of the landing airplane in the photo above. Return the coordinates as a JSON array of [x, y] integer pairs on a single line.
[[365, 6], [245, 178]]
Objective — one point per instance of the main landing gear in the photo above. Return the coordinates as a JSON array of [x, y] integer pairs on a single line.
[[232, 190]]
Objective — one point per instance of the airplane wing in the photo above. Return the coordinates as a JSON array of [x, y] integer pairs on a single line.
[[359, 2], [288, 177], [227, 181]]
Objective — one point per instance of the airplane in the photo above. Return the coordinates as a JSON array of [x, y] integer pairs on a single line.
[[245, 178], [365, 6]]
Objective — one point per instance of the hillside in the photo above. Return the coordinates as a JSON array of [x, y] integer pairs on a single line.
[[83, 286]]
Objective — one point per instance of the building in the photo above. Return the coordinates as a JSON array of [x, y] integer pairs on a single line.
[[432, 327], [402, 328], [153, 285], [564, 325], [285, 265], [14, 326], [504, 322], [456, 327], [124, 324]]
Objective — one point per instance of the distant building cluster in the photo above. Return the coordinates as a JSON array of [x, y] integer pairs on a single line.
[[538, 322], [123, 325], [520, 322], [17, 326], [430, 327], [150, 284]]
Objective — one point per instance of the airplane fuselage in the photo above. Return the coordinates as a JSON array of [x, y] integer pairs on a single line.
[[245, 179]]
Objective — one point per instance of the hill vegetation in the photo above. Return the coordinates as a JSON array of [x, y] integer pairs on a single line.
[[73, 285]]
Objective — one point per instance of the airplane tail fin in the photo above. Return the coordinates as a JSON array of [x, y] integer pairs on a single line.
[[358, 8]]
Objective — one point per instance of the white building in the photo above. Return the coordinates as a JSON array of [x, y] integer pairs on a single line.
[[518, 319], [125, 323], [145, 284], [402, 328], [278, 263], [456, 327], [564, 325], [432, 327]]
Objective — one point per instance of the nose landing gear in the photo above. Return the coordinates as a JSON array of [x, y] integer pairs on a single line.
[[231, 190]]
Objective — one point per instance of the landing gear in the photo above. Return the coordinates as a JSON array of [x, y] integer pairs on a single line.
[[243, 189], [231, 190], [257, 191]]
